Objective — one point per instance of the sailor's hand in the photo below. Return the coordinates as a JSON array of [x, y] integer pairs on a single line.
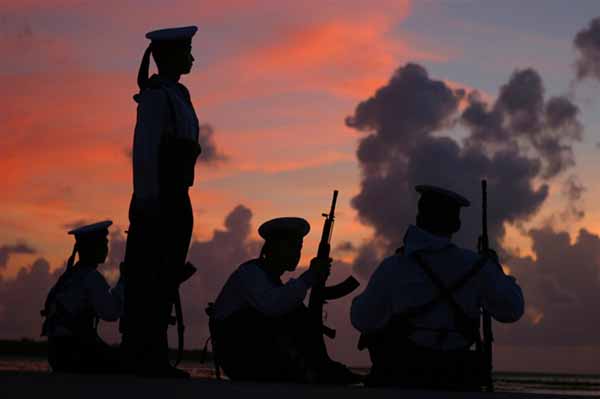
[[321, 268]]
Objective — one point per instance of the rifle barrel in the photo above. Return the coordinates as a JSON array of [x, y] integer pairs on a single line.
[[484, 225]]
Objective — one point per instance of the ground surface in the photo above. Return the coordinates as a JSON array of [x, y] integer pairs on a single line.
[[43, 385]]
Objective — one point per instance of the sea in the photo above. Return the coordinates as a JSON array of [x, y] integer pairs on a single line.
[[540, 383]]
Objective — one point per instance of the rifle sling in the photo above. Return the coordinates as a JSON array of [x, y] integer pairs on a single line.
[[463, 321]]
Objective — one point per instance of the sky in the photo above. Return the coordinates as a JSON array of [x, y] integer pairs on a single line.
[[302, 98]]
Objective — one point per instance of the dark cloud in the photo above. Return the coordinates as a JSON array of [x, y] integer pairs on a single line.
[[19, 248], [521, 119], [367, 259], [515, 142], [21, 299], [345, 246], [210, 153], [587, 44], [573, 191], [562, 287]]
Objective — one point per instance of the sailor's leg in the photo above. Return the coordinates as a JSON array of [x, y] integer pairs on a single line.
[[142, 261]]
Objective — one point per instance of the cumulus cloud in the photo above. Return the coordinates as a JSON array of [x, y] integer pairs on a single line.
[[19, 248], [587, 44], [521, 118], [345, 246], [22, 297], [562, 287], [520, 139], [211, 154], [573, 190]]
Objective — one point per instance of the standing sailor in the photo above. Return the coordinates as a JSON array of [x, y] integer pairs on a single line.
[[260, 327], [165, 149], [419, 314], [76, 302]]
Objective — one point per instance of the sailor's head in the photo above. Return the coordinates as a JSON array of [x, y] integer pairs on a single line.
[[91, 242], [283, 241], [439, 210], [172, 49]]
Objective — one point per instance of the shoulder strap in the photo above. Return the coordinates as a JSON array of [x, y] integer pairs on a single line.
[[464, 323]]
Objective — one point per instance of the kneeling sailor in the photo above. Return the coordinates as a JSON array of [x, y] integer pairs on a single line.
[[420, 312], [260, 328], [79, 299]]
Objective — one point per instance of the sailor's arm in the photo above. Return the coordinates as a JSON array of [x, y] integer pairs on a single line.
[[275, 301], [502, 296], [107, 303], [372, 309], [151, 119]]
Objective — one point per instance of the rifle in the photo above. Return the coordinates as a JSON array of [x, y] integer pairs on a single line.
[[320, 293], [488, 336], [182, 274]]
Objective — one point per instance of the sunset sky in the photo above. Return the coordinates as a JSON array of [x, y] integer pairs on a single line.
[[276, 80]]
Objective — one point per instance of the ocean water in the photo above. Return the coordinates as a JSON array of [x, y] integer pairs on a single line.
[[558, 384]]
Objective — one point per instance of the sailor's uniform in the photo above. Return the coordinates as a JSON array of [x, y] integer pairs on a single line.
[[399, 284], [165, 112], [250, 286], [165, 150], [87, 293]]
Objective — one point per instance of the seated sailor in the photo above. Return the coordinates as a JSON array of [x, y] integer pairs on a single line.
[[260, 328], [419, 314], [79, 299]]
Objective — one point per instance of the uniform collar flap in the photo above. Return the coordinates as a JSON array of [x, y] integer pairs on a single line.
[[417, 239]]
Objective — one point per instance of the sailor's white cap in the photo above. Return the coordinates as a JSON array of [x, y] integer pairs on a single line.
[[286, 227], [169, 34], [91, 228], [448, 194]]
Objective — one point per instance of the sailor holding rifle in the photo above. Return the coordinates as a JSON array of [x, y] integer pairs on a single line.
[[260, 328], [420, 312]]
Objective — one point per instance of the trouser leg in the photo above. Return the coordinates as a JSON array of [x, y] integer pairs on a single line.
[[154, 250]]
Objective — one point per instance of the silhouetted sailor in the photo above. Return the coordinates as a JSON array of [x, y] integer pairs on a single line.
[[419, 314], [77, 301], [261, 329], [165, 149]]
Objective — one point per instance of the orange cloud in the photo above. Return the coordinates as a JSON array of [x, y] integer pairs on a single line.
[[346, 56]]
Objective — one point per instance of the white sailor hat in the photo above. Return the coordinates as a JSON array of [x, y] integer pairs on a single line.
[[83, 231], [286, 227], [458, 199], [170, 34]]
